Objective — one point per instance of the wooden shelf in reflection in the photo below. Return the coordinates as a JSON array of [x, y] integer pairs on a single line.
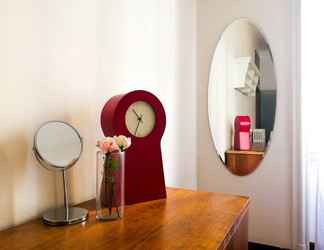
[[243, 162]]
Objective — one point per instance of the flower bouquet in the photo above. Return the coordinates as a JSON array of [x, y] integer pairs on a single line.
[[110, 177]]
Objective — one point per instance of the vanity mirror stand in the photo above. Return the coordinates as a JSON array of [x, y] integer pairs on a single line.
[[58, 147]]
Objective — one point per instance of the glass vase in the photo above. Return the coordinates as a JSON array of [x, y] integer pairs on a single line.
[[110, 186]]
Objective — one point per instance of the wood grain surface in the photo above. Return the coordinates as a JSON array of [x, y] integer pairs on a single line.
[[185, 220], [243, 162]]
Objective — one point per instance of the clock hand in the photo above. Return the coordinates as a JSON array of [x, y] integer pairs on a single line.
[[139, 121], [137, 127], [138, 117]]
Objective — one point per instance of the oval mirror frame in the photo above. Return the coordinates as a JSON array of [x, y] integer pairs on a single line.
[[242, 90]]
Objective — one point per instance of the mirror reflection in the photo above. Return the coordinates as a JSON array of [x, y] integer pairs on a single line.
[[58, 144], [242, 96]]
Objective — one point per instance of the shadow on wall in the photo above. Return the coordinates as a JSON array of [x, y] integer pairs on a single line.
[[6, 187], [81, 177], [21, 177], [13, 158]]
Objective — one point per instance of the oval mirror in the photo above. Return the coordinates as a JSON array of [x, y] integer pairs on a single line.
[[242, 95], [57, 145]]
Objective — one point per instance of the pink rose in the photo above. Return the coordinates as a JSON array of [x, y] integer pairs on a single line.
[[123, 142], [108, 145]]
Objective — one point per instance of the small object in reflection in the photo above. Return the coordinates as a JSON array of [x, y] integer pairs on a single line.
[[259, 140], [242, 126], [247, 76]]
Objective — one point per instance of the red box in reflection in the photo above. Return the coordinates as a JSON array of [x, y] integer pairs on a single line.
[[242, 126]]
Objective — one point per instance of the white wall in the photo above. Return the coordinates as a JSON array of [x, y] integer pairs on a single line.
[[270, 185], [63, 60], [152, 50], [45, 46]]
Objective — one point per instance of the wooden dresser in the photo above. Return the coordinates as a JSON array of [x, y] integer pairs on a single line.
[[186, 220], [243, 162]]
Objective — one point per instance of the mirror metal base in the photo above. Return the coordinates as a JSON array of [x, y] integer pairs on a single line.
[[57, 217]]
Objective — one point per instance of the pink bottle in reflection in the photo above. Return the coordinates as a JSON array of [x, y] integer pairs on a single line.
[[242, 126]]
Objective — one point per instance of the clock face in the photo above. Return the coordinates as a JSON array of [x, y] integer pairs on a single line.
[[140, 119]]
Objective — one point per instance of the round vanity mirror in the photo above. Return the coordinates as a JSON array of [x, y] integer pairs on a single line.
[[58, 146], [242, 96]]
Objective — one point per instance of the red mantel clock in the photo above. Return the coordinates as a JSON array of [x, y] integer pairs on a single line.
[[139, 115]]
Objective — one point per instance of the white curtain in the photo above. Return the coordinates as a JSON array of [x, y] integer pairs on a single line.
[[312, 64], [313, 149], [320, 213], [314, 163]]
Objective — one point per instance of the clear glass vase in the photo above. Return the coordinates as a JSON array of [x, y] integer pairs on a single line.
[[110, 186]]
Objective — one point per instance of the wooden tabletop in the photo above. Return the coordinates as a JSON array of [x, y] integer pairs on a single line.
[[185, 220]]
